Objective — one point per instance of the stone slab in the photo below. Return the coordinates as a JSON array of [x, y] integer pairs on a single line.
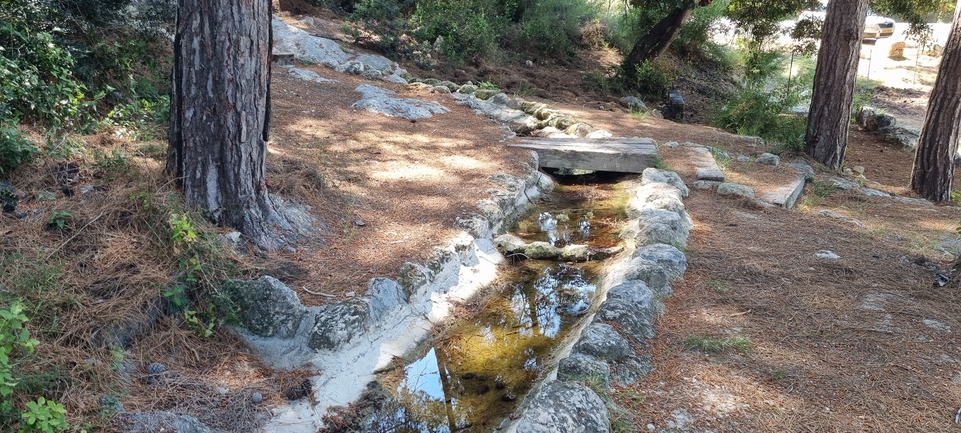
[[787, 194], [623, 155], [705, 168]]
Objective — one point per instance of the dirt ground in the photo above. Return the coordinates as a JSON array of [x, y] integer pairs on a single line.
[[859, 343], [864, 342]]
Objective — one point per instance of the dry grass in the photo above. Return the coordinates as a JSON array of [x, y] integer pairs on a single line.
[[863, 343]]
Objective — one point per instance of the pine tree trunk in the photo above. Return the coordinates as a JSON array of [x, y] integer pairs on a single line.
[[837, 67], [933, 172], [219, 115]]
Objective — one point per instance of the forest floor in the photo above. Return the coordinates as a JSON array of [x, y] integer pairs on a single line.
[[760, 335]]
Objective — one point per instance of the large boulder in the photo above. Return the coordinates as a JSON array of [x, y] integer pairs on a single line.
[[266, 307], [562, 407], [905, 138]]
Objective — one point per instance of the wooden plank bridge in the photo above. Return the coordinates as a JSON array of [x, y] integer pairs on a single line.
[[624, 155]]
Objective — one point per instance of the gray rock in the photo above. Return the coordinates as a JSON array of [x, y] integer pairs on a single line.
[[709, 174], [510, 244], [477, 226], [501, 99], [441, 89], [743, 158], [873, 192], [654, 275], [911, 200], [375, 62], [599, 133], [372, 74], [804, 168], [266, 307], [338, 324], [768, 159], [306, 47], [661, 226], [516, 103], [382, 101], [158, 421], [579, 367], [579, 129], [653, 175], [467, 89], [844, 184], [826, 254], [671, 144], [705, 184], [385, 295], [632, 306], [905, 138], [541, 250], [669, 257], [575, 253], [306, 75], [351, 67], [734, 189], [829, 214], [562, 407], [633, 103], [602, 341]]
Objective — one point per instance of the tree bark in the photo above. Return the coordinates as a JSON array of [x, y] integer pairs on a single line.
[[657, 40], [933, 172], [837, 67], [219, 115]]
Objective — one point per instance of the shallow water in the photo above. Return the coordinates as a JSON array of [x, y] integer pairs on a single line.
[[473, 373]]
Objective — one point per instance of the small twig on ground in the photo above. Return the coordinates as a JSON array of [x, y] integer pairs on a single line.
[[74, 236], [318, 293]]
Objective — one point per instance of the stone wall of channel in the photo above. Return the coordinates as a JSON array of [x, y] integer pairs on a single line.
[[349, 340], [613, 345]]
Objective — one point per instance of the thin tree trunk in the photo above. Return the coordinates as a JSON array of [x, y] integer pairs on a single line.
[[933, 172], [657, 40], [837, 67], [219, 115]]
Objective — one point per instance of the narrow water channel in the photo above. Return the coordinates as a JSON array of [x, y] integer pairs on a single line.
[[474, 371]]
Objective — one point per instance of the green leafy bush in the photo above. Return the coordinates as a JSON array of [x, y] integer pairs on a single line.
[[652, 79], [761, 113], [15, 341], [15, 149]]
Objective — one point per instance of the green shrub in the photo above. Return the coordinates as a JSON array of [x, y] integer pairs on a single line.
[[552, 27], [761, 113], [15, 343], [652, 79], [15, 149], [694, 39], [467, 29]]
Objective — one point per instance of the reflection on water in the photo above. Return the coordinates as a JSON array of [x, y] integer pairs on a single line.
[[472, 374]]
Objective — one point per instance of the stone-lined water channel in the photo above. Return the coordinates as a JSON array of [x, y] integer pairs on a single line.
[[476, 367], [457, 343]]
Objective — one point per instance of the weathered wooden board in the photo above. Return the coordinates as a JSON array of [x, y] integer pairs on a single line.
[[624, 155]]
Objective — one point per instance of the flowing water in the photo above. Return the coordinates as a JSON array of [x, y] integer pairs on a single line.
[[473, 372]]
